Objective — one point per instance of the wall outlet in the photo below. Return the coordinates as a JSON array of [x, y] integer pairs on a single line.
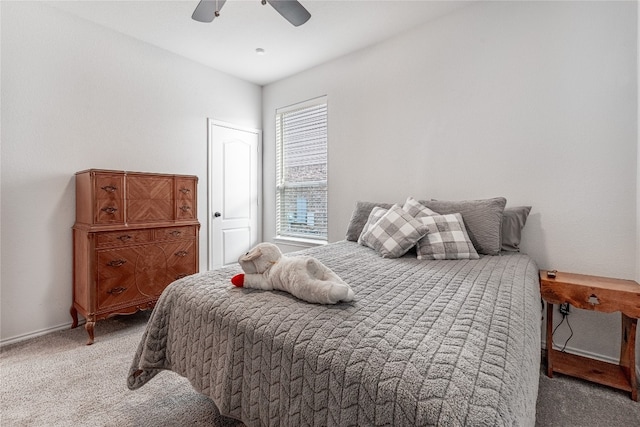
[[564, 308]]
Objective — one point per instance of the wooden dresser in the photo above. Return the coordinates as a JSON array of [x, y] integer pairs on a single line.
[[134, 234]]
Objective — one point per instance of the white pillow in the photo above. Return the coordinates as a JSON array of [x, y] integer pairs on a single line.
[[374, 216], [394, 233], [417, 209], [447, 238]]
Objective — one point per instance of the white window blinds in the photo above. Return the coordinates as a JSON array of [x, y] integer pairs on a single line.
[[301, 170]]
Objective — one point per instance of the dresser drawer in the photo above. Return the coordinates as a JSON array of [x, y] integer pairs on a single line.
[[181, 259], [109, 186], [185, 209], [108, 212], [109, 198], [131, 274], [185, 189], [122, 238], [174, 233], [116, 277], [185, 198]]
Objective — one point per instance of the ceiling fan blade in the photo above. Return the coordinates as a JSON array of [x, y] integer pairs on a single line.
[[291, 10], [206, 10]]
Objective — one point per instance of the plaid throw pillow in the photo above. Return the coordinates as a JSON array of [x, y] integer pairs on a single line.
[[374, 216], [395, 233], [417, 209], [447, 238]]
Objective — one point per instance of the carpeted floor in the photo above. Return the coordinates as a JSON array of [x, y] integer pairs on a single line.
[[56, 380]]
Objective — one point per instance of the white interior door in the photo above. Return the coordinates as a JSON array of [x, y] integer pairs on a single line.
[[234, 197]]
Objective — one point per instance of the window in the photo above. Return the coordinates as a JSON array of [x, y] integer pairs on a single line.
[[301, 170]]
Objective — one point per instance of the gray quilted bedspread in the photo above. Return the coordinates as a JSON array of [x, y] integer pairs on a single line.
[[447, 343]]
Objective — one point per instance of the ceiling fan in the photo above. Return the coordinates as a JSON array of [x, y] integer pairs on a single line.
[[291, 10]]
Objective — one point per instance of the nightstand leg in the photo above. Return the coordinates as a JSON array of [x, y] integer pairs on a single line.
[[628, 353], [549, 340]]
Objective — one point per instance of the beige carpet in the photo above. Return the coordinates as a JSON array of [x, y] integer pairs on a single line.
[[56, 380]]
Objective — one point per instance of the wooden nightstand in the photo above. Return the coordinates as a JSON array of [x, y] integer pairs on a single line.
[[598, 294]]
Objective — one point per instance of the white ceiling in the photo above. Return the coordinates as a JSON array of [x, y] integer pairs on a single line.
[[229, 43]]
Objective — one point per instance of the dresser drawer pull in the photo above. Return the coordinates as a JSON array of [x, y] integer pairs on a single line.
[[124, 238], [116, 291], [117, 262], [110, 210], [185, 190], [175, 233], [182, 253], [109, 188], [181, 275], [185, 208]]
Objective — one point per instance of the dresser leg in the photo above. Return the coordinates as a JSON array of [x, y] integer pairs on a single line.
[[74, 316], [628, 353], [89, 327], [549, 340]]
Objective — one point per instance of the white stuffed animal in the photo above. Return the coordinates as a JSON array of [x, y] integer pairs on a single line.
[[305, 277]]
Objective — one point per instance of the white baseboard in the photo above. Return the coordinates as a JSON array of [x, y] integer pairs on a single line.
[[37, 333]]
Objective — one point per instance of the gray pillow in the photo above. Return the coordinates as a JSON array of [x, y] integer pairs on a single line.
[[359, 218], [482, 218], [513, 222]]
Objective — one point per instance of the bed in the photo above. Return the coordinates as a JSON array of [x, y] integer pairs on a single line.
[[425, 342]]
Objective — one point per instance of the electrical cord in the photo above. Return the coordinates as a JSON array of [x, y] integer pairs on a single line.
[[570, 335], [564, 317]]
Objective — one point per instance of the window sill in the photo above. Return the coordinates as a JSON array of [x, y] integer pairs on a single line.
[[300, 242]]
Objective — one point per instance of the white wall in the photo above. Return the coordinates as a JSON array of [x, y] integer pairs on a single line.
[[78, 96], [638, 152], [534, 101]]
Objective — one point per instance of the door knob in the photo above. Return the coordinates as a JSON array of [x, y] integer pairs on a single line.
[[217, 214]]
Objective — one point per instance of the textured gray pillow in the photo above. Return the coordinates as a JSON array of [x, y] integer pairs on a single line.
[[513, 222], [359, 218], [395, 233], [482, 218]]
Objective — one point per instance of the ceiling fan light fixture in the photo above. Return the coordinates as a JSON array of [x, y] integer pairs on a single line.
[[261, 51]]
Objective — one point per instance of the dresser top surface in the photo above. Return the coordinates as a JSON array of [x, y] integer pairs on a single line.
[[121, 172]]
